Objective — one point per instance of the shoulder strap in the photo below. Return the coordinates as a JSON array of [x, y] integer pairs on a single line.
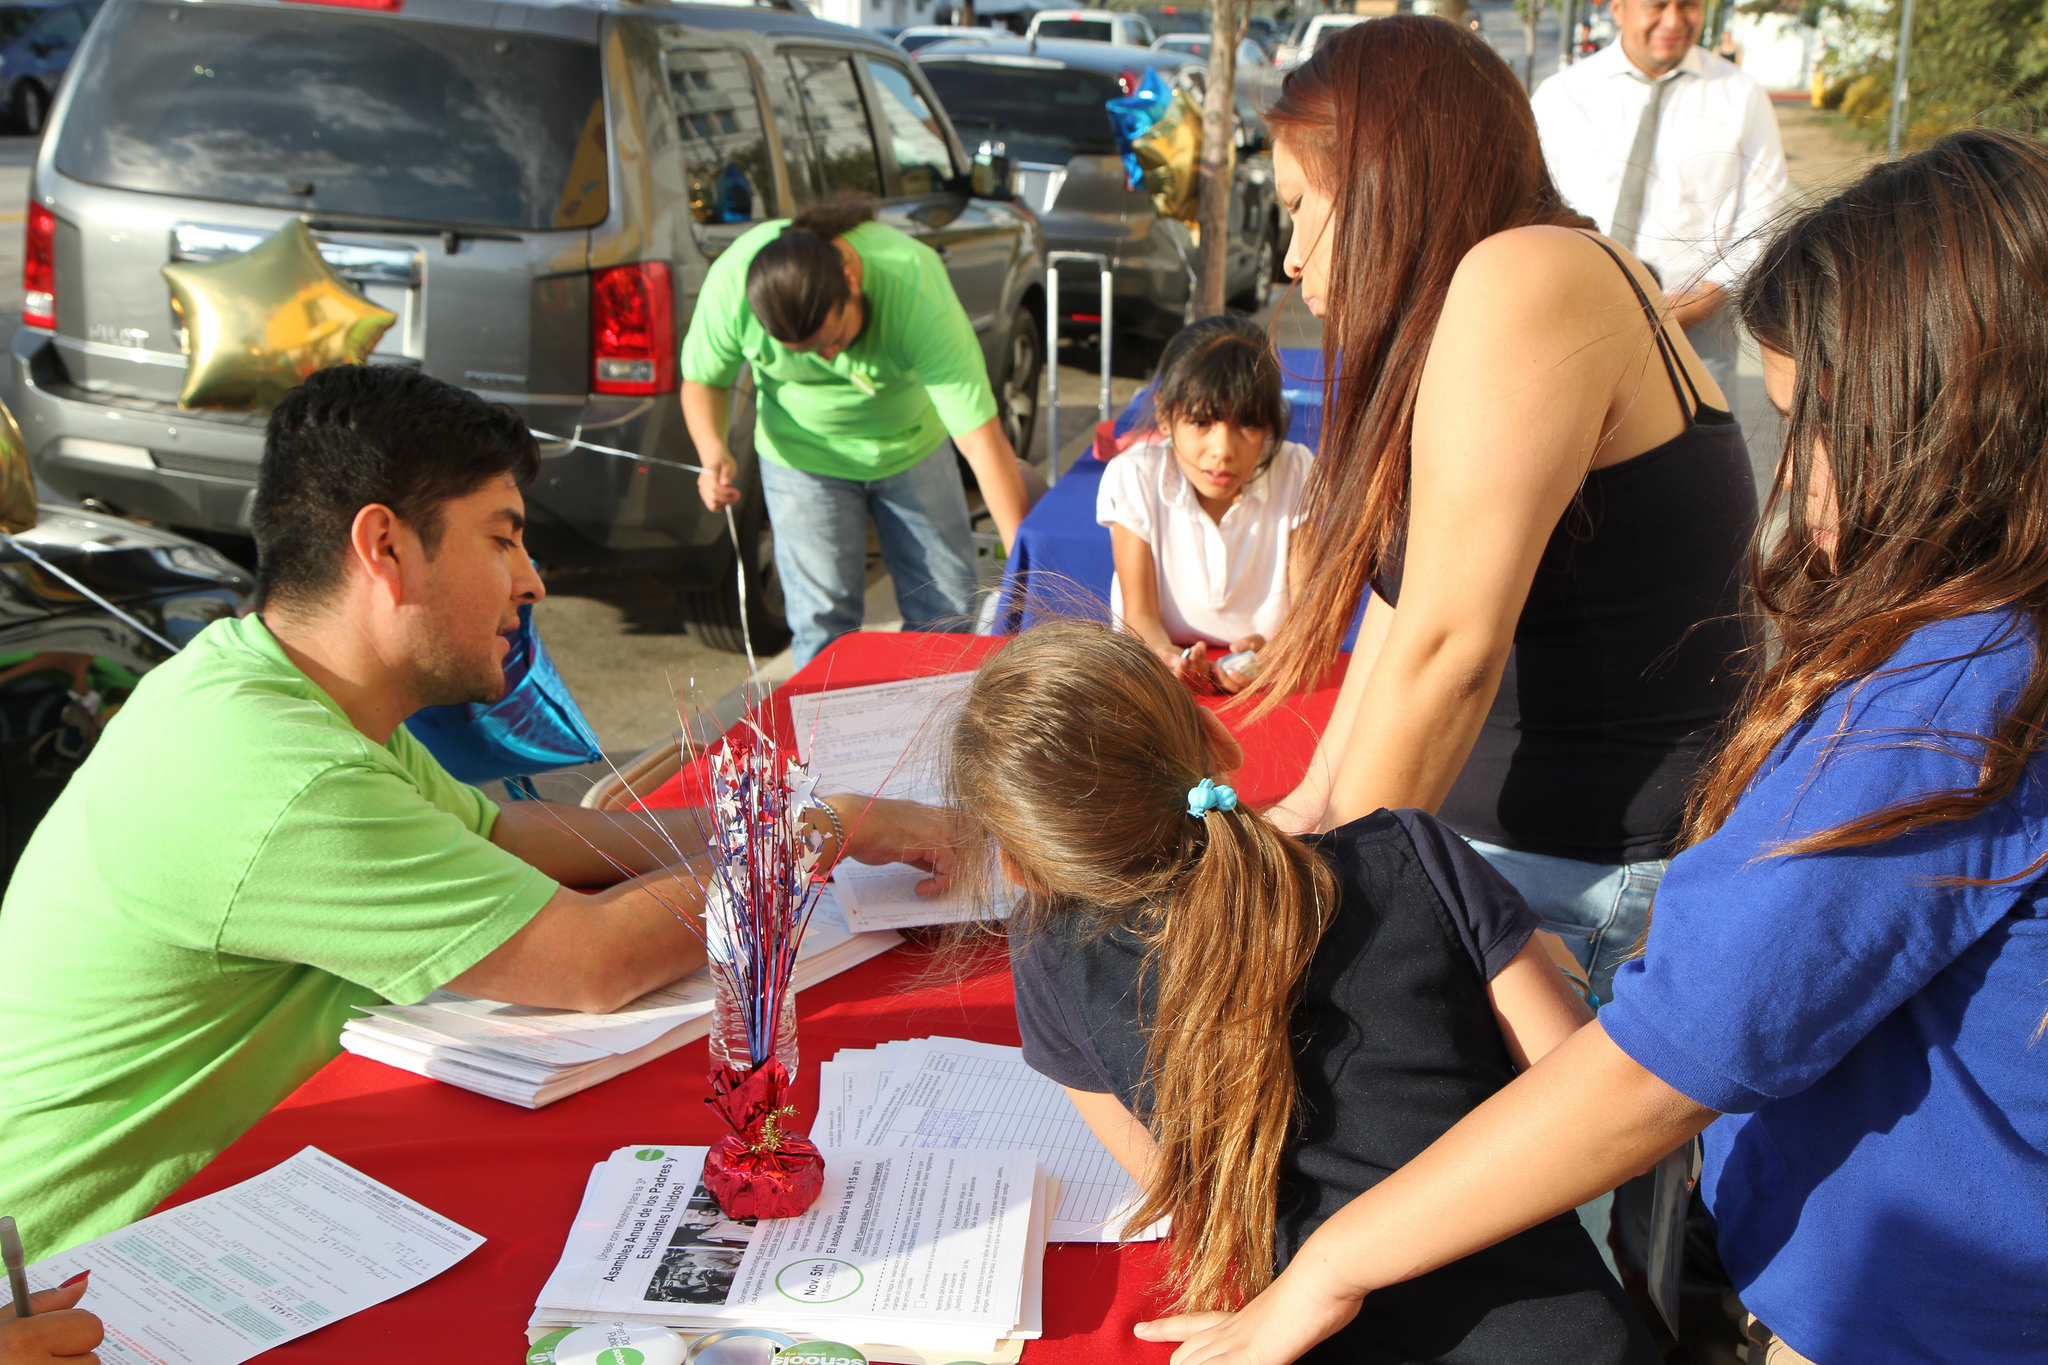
[[1673, 371]]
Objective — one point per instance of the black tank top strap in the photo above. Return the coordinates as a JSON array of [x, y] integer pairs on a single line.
[[1681, 381]]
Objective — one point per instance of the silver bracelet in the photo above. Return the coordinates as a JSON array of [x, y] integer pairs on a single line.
[[838, 830]]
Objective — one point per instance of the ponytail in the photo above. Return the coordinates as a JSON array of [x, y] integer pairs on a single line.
[[795, 281], [1074, 753]]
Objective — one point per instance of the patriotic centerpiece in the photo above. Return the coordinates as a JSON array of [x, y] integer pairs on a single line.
[[758, 897]]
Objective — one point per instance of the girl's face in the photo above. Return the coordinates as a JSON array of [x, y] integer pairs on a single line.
[[1217, 458], [1308, 254], [1823, 512]]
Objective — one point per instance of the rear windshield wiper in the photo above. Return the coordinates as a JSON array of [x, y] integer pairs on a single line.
[[451, 237]]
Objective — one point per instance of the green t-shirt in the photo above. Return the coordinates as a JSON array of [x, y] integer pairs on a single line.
[[231, 872], [915, 376]]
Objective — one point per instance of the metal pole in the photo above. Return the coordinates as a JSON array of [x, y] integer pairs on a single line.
[[1108, 303], [1899, 78], [1053, 261], [1567, 12], [1052, 372]]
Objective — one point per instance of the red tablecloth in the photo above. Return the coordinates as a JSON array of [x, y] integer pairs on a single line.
[[516, 1176]]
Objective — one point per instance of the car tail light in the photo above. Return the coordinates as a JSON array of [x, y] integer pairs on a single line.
[[1129, 81], [357, 4], [39, 268], [632, 330]]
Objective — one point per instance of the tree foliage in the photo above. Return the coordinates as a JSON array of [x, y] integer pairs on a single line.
[[1972, 63]]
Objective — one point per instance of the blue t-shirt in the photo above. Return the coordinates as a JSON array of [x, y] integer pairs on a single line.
[[1881, 1180]]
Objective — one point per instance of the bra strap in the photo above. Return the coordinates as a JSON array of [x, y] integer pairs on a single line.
[[1673, 371]]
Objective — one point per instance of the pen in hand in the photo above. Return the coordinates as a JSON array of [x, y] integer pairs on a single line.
[[17, 1267]]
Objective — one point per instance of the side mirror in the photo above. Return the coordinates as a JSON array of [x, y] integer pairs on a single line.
[[995, 175]]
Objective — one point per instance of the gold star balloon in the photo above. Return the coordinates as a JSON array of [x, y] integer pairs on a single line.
[[17, 479], [259, 323]]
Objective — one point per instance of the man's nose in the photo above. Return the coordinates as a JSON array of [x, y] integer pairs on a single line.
[[528, 587]]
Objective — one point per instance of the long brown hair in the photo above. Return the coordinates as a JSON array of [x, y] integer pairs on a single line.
[[1074, 753], [1911, 305], [795, 281], [1425, 139]]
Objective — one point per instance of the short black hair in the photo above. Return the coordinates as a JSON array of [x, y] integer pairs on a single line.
[[797, 279], [1221, 369], [356, 435]]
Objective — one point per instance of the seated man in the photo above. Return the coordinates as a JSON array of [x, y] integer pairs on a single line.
[[256, 847]]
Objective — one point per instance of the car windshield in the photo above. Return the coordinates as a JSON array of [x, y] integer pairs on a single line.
[[342, 113], [1044, 114], [1087, 30], [1198, 46]]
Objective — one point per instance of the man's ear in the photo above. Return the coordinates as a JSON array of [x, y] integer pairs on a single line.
[[1226, 755], [375, 546]]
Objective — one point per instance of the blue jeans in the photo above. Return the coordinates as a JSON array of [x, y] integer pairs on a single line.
[[821, 547], [1599, 909]]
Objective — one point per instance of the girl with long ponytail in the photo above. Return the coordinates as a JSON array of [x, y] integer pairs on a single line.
[[1261, 1027]]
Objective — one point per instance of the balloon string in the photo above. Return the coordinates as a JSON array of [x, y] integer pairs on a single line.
[[739, 555], [576, 440]]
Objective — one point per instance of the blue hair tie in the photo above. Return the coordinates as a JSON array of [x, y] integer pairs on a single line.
[[1207, 796]]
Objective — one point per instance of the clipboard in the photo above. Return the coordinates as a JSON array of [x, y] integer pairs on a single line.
[[1675, 1177]]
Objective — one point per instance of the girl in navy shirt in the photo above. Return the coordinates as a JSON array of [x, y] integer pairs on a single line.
[[1260, 1027], [1846, 978]]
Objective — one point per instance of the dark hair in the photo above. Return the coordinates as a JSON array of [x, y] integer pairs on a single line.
[[356, 435], [1425, 141], [1911, 307], [795, 281], [1221, 369], [1073, 753]]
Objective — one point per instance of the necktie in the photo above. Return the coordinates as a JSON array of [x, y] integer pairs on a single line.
[[1628, 209]]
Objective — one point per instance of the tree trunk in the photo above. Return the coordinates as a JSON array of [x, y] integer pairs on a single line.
[[1529, 49], [1219, 152]]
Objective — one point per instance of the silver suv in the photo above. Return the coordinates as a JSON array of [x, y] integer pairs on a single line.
[[536, 190]]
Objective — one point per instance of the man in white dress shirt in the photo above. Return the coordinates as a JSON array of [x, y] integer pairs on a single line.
[[1675, 152]]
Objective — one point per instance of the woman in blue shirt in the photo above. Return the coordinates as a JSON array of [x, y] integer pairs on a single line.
[[1846, 980]]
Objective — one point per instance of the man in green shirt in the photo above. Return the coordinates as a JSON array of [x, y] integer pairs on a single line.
[[864, 364], [257, 846]]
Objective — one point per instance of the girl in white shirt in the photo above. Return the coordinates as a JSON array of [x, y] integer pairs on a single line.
[[1200, 511]]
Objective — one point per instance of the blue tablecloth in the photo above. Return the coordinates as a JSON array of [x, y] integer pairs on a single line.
[[1061, 564]]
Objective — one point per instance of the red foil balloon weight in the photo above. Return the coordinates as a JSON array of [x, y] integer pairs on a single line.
[[760, 1169]]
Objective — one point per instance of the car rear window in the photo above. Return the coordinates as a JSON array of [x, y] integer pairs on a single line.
[[1087, 30], [1049, 115], [342, 113]]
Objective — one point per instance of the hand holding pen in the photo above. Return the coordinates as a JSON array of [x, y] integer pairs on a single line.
[[41, 1329]]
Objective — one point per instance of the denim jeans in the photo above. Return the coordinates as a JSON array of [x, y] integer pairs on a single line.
[[1599, 909], [821, 547]]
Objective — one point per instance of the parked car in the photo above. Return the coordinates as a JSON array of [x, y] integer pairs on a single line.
[[1091, 26], [36, 44], [1174, 19], [1322, 26], [1250, 55], [1047, 103], [66, 663], [924, 35], [536, 190]]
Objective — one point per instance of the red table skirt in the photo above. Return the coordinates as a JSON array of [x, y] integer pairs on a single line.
[[516, 1176]]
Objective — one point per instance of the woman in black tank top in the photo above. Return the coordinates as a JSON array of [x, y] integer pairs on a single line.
[[1526, 461]]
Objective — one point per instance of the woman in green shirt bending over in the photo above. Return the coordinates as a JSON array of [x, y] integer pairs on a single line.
[[867, 372]]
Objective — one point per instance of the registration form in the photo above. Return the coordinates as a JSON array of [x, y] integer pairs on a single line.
[[228, 1276]]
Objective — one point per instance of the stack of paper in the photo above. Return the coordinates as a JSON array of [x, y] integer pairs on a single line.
[[531, 1057], [883, 740], [230, 1275], [910, 1255], [952, 1093]]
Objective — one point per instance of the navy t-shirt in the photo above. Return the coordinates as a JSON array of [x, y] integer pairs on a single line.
[[1395, 1041], [1870, 1028]]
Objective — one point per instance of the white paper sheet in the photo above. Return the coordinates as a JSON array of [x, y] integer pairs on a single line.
[[883, 740], [939, 1243], [228, 1276], [950, 1092]]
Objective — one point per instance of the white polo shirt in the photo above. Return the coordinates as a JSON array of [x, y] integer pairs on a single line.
[[1218, 583], [1716, 177]]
